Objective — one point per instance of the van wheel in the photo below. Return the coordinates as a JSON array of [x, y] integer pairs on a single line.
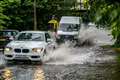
[[54, 47]]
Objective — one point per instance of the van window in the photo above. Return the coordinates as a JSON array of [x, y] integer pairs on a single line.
[[69, 27]]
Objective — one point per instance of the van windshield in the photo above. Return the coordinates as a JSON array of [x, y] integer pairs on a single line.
[[69, 27]]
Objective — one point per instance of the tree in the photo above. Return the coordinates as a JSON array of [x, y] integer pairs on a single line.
[[2, 16], [106, 13], [19, 14]]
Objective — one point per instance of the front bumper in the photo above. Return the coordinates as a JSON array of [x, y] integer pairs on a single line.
[[67, 37], [22, 56]]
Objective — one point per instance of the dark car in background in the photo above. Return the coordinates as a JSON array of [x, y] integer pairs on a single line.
[[6, 36]]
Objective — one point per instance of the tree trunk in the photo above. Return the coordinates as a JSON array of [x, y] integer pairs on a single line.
[[117, 42]]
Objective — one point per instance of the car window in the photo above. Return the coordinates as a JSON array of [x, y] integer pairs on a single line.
[[5, 33], [8, 33], [15, 33], [30, 37]]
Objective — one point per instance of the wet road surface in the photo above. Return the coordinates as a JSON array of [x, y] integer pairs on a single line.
[[102, 66], [68, 63]]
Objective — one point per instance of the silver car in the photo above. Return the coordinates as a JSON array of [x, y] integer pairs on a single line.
[[29, 45]]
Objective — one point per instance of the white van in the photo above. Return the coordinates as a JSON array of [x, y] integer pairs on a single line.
[[69, 27]]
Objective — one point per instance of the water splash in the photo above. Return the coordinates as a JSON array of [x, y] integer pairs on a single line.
[[70, 55], [93, 35]]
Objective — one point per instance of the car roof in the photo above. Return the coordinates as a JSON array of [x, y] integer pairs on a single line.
[[33, 32], [70, 20], [8, 30]]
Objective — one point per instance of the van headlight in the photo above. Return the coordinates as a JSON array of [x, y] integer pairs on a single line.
[[37, 50], [7, 49]]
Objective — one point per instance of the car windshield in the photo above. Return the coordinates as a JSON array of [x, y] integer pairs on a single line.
[[30, 37], [8, 33], [69, 27]]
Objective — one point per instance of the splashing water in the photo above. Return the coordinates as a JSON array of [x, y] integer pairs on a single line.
[[80, 55], [68, 55], [95, 36]]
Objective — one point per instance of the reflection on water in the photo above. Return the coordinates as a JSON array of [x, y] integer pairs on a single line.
[[39, 74], [83, 72], [22, 73], [63, 72], [7, 74]]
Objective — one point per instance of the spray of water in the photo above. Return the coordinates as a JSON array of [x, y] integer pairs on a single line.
[[92, 35], [80, 55], [69, 55]]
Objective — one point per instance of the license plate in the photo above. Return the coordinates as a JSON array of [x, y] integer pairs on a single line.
[[20, 55]]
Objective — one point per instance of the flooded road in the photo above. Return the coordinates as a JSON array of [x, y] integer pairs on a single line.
[[70, 63], [101, 66]]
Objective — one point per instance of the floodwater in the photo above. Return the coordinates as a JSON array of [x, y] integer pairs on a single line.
[[90, 40], [70, 62]]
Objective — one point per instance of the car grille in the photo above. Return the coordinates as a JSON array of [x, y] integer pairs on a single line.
[[25, 50], [21, 50], [17, 50]]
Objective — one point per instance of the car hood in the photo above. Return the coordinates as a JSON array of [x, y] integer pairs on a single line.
[[26, 44]]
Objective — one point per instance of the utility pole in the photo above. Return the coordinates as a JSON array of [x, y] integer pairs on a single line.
[[80, 4], [80, 9], [35, 16]]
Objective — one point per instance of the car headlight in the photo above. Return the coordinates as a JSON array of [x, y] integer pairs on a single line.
[[7, 49], [37, 50]]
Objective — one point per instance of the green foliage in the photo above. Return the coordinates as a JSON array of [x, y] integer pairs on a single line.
[[106, 12], [2, 16], [19, 14]]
